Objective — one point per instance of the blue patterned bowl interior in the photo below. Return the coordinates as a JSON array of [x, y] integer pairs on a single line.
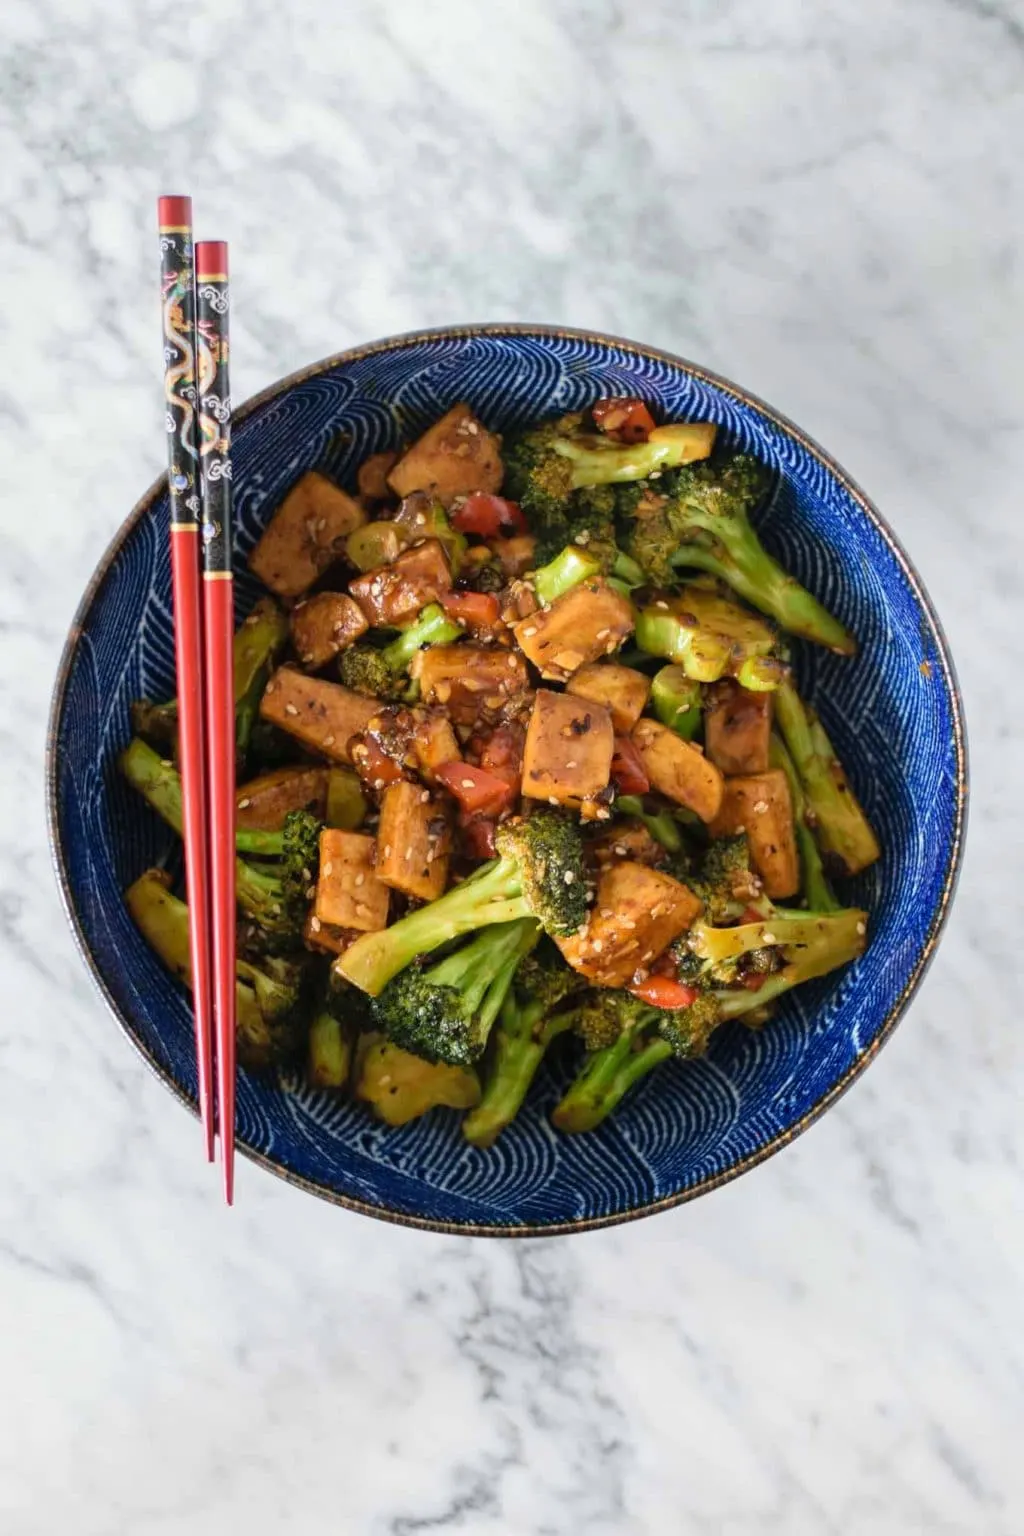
[[892, 712]]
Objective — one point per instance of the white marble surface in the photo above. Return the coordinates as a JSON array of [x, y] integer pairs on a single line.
[[823, 201]]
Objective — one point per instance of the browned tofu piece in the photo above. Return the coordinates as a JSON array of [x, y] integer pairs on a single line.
[[323, 716], [737, 727], [516, 555], [677, 769], [413, 842], [622, 690], [263, 803], [761, 805], [395, 593], [435, 743], [568, 753], [372, 475], [626, 840], [305, 534], [636, 914], [591, 620], [327, 938], [324, 625], [348, 892], [472, 682], [454, 457]]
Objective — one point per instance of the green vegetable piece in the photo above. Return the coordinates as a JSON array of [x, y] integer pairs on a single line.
[[840, 825], [329, 1059], [710, 637], [676, 701], [346, 802]]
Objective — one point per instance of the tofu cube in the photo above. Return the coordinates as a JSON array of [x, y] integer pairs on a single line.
[[413, 840], [473, 683], [761, 805], [324, 625], [637, 913], [323, 716], [591, 620], [569, 745], [305, 535], [677, 769], [348, 892], [434, 743], [737, 728], [454, 457], [622, 690], [394, 594]]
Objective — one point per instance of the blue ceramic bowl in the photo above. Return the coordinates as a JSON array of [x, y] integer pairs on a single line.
[[893, 712]]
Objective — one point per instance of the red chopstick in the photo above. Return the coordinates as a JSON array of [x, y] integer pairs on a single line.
[[218, 631], [178, 304]]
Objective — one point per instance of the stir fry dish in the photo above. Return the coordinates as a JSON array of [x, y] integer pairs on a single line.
[[520, 757]]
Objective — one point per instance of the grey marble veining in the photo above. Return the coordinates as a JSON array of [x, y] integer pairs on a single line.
[[824, 202]]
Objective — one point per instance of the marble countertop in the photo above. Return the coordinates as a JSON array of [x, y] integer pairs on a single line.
[[824, 202]]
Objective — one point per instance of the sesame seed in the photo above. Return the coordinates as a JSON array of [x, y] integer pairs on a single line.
[[290, 709], [513, 663], [862, 929], [602, 634], [769, 938], [310, 892], [314, 925], [329, 741], [472, 684], [620, 849], [606, 911], [243, 805], [321, 525], [760, 806], [466, 783], [359, 880], [472, 428], [387, 850], [493, 701], [328, 869], [627, 922], [531, 629], [660, 604], [408, 855], [598, 945], [604, 814], [420, 519], [568, 877], [572, 763], [378, 783], [552, 799], [425, 797], [361, 909]]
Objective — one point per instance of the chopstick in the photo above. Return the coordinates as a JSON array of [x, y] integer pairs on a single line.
[[218, 632], [183, 478]]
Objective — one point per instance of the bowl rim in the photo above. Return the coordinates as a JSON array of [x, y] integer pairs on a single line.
[[939, 915]]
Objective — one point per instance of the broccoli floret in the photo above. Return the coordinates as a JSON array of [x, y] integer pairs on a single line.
[[530, 1019], [840, 825], [708, 512], [381, 672], [272, 895], [808, 944], [444, 1013], [539, 872], [271, 994], [647, 1036], [725, 882], [644, 531], [545, 464]]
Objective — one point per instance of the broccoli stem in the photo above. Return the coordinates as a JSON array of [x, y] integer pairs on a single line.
[[607, 1075], [840, 826], [259, 891], [431, 627], [158, 782], [571, 566], [598, 461], [517, 1048], [750, 570], [814, 884], [492, 895], [257, 642], [661, 824]]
